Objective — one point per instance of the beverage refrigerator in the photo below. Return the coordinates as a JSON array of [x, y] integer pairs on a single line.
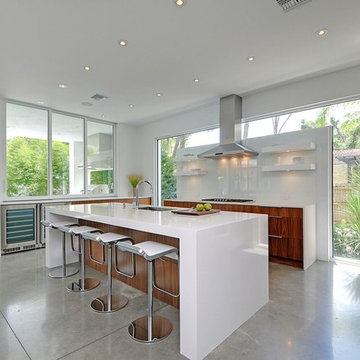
[[20, 227]]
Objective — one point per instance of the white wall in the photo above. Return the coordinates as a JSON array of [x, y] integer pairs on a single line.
[[302, 93], [126, 156]]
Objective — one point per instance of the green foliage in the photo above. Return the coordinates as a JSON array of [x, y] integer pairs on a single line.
[[27, 166], [346, 241], [353, 204], [168, 180], [60, 167], [347, 234], [134, 180], [100, 177], [169, 148], [320, 121], [346, 133]]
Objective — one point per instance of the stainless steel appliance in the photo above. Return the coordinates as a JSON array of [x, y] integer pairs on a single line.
[[230, 114], [19, 228]]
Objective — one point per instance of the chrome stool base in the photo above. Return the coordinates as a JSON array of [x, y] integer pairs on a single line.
[[161, 328], [89, 284], [101, 305], [58, 273]]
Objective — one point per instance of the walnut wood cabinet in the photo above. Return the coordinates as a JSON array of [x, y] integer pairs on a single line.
[[285, 229]]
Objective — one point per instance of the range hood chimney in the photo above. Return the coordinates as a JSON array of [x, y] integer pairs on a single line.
[[230, 114]]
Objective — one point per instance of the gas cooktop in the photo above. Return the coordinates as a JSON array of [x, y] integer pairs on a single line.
[[227, 200]]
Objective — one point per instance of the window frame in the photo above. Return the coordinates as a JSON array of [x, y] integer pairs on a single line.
[[301, 108], [157, 157], [50, 196]]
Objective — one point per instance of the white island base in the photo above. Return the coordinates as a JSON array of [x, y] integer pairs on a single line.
[[223, 265]]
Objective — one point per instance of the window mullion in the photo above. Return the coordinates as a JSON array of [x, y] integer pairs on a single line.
[[50, 177], [115, 166], [85, 159]]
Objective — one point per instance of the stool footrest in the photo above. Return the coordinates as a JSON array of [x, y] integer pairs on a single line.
[[89, 284], [100, 304], [116, 264], [158, 287], [103, 259], [58, 273]]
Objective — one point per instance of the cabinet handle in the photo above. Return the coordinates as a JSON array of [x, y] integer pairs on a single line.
[[276, 236], [275, 217]]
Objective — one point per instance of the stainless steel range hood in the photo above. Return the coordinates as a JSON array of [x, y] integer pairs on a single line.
[[230, 114]]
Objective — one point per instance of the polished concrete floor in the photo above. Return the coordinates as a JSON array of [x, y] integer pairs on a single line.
[[311, 315]]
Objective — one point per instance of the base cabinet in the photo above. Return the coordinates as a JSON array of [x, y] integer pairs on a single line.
[[285, 229]]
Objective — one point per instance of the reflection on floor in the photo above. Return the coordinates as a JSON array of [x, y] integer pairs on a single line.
[[311, 315]]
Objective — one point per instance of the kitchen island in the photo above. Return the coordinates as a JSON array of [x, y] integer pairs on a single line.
[[223, 264]]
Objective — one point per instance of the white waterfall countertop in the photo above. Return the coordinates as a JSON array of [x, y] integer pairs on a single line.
[[223, 265], [159, 222]]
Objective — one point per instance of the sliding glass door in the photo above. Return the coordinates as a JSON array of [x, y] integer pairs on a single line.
[[346, 179]]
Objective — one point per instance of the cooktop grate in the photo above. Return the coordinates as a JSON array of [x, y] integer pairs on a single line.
[[227, 200]]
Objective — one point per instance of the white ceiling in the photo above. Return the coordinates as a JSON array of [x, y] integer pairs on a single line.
[[47, 42]]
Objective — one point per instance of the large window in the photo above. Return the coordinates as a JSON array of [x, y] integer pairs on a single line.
[[167, 150], [282, 123], [67, 154], [29, 148], [100, 158], [27, 151]]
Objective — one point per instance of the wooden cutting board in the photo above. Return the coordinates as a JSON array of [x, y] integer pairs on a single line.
[[194, 212]]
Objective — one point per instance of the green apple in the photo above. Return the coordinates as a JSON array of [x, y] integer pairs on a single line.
[[207, 207], [199, 207]]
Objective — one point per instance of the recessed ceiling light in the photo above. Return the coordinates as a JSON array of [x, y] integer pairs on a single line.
[[251, 58], [322, 32], [179, 3], [122, 42], [131, 106], [62, 86], [196, 80], [158, 94], [87, 68], [40, 102]]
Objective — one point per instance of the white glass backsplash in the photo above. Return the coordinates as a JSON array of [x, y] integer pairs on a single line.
[[245, 178]]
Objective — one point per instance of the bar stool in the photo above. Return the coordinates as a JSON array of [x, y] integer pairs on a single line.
[[107, 303], [83, 284], [65, 270], [149, 328]]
